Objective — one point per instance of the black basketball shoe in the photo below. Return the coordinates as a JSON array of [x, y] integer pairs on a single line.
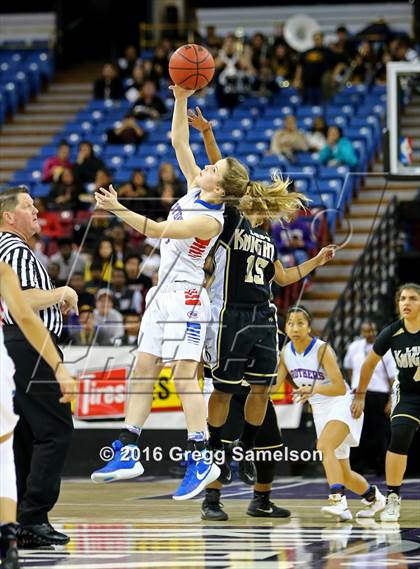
[[9, 557], [211, 508], [40, 535], [262, 507]]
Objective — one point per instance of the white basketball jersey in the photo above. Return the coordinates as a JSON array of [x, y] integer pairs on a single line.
[[183, 259], [305, 369], [6, 363]]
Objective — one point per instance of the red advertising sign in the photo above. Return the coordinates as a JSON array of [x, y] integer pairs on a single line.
[[102, 394]]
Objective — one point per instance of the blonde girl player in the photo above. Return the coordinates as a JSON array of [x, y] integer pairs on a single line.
[[38, 336], [403, 339], [177, 311], [315, 374]]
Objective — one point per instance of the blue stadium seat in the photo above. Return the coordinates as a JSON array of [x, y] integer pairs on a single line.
[[40, 190], [259, 135], [251, 147], [309, 111], [141, 162], [274, 161]]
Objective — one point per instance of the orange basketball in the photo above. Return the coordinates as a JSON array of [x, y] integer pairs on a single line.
[[191, 66]]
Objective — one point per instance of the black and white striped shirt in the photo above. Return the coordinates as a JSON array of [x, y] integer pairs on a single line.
[[32, 274]]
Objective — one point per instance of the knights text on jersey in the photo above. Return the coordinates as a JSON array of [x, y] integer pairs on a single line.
[[405, 348], [248, 260], [183, 259]]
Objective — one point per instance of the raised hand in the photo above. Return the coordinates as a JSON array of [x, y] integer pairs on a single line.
[[196, 120], [180, 92], [107, 199], [326, 254]]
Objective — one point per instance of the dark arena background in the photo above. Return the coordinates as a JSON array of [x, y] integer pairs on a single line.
[[84, 102]]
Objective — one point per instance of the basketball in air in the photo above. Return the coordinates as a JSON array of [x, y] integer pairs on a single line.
[[191, 66]]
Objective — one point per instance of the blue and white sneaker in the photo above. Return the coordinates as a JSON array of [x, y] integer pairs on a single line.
[[198, 475], [123, 465]]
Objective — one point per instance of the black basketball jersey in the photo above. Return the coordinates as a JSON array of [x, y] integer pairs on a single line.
[[246, 255], [406, 351]]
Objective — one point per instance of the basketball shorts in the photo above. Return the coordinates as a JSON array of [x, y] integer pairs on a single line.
[[246, 347], [338, 409], [174, 324], [406, 409], [8, 417]]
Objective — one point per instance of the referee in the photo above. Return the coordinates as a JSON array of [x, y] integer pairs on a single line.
[[43, 433]]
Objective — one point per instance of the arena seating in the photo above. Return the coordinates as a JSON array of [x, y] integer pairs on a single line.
[[22, 73], [244, 132]]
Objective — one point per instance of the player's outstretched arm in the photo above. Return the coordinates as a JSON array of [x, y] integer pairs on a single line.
[[180, 135], [200, 226], [366, 373], [198, 121], [284, 277], [34, 330]]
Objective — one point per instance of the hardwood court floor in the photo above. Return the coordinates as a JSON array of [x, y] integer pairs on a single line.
[[137, 525]]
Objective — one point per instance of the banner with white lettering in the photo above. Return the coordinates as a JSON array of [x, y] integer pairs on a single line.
[[103, 385]]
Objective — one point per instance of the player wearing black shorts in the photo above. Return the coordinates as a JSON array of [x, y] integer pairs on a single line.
[[403, 339], [246, 257]]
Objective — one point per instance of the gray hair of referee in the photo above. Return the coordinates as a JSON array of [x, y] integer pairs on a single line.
[[9, 199]]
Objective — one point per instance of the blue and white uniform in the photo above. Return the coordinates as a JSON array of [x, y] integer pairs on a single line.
[[8, 417], [305, 369], [178, 309]]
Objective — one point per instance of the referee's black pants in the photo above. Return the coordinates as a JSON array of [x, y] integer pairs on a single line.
[[43, 433]]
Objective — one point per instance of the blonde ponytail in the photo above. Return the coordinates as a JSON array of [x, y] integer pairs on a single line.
[[272, 201]]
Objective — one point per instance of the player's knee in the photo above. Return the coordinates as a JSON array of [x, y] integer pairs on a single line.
[[266, 470], [401, 437], [324, 446]]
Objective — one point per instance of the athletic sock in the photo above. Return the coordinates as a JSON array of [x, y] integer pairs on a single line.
[[394, 490], [130, 434], [369, 495], [249, 434], [215, 436], [337, 489], [265, 496], [197, 439]]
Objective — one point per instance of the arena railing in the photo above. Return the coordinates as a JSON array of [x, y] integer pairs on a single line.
[[369, 291]]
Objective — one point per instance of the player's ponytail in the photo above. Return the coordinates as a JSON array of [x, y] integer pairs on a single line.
[[272, 201]]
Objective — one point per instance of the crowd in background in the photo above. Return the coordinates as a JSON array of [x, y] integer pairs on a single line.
[[115, 267]]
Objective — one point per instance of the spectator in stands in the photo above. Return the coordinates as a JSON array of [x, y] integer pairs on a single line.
[[362, 66], [124, 297], [288, 140], [103, 179], [257, 52], [120, 239], [53, 167], [86, 333], [149, 105], [160, 64], [338, 150], [132, 321], [168, 175], [150, 257], [77, 283], [295, 240], [87, 163], [127, 132], [134, 85], [343, 47], [53, 270], [133, 192], [68, 259], [106, 317], [316, 138], [283, 63], [234, 77], [135, 278], [106, 255], [129, 61], [96, 281], [109, 85], [213, 41], [65, 192], [375, 434], [311, 69]]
